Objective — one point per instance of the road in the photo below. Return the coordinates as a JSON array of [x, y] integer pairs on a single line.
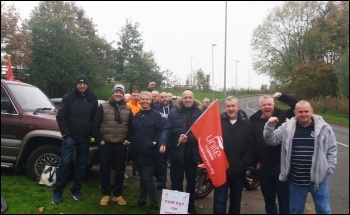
[[339, 181]]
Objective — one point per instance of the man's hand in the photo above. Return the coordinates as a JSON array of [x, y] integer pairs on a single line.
[[277, 95], [152, 85], [273, 120], [162, 149]]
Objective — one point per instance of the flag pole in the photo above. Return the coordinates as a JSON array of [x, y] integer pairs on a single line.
[[199, 118]]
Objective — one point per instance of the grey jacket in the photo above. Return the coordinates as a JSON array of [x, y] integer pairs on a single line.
[[324, 158]]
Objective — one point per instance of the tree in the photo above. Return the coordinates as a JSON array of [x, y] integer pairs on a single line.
[[14, 41], [278, 42], [201, 80], [132, 65], [169, 79], [64, 45], [342, 73], [302, 39]]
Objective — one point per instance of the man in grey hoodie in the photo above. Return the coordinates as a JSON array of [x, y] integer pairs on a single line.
[[308, 156]]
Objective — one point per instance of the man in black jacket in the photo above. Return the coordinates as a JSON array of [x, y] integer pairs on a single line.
[[268, 157], [75, 117], [182, 146], [238, 141]]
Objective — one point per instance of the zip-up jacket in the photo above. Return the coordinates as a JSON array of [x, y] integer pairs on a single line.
[[324, 158], [76, 113], [176, 125]]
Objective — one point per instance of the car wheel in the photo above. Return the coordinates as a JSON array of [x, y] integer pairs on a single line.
[[41, 156]]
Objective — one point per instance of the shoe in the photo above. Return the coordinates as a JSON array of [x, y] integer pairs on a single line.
[[135, 175], [57, 198], [153, 210], [77, 195], [104, 201], [193, 211], [124, 183], [138, 204], [161, 187], [119, 200]]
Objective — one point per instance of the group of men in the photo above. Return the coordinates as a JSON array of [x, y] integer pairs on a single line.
[[294, 150]]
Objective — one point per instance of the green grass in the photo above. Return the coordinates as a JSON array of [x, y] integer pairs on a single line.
[[25, 196], [339, 119]]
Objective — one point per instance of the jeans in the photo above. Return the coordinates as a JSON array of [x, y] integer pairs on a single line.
[[112, 154], [189, 168], [221, 194], [81, 149], [147, 185], [162, 168], [271, 187], [320, 196]]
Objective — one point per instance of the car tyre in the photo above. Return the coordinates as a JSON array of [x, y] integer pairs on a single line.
[[41, 156]]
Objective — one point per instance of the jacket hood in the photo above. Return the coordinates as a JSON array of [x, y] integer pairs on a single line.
[[179, 104]]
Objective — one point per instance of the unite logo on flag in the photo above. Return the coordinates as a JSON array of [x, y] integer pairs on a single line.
[[208, 132]]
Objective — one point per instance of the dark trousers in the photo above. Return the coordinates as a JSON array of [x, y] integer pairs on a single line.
[[271, 187], [162, 168], [178, 171], [147, 185], [112, 154], [69, 146], [221, 193]]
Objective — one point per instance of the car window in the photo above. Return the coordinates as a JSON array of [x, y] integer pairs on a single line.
[[30, 98], [6, 103]]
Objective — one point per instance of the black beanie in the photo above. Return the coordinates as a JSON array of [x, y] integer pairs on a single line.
[[82, 78]]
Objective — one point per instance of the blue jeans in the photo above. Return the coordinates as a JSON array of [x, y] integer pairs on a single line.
[[69, 146], [147, 185], [221, 194], [112, 155], [298, 195], [271, 187]]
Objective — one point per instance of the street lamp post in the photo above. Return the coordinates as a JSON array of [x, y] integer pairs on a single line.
[[191, 72], [236, 78], [212, 63]]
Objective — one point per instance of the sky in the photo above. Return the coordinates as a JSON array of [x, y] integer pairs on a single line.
[[181, 33]]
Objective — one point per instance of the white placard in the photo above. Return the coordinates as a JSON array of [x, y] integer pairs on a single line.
[[174, 202]]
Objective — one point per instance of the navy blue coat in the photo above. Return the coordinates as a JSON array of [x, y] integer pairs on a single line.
[[147, 127], [175, 126]]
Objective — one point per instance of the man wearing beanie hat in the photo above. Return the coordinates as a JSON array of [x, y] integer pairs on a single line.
[[75, 118], [112, 129], [82, 78]]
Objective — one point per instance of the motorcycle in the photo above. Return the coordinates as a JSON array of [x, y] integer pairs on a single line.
[[204, 185]]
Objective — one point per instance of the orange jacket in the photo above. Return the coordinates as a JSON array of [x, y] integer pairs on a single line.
[[134, 106]]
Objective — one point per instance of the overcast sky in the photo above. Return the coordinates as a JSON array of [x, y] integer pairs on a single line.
[[174, 31]]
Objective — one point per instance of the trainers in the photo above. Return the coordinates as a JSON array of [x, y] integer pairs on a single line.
[[104, 201], [77, 195], [57, 198], [119, 200]]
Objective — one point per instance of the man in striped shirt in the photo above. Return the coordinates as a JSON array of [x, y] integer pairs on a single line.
[[308, 156]]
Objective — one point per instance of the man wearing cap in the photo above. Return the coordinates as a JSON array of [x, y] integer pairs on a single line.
[[112, 129], [75, 118]]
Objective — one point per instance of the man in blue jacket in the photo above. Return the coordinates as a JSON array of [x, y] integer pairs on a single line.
[[75, 118], [182, 145]]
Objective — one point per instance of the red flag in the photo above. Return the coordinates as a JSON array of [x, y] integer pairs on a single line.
[[9, 75], [207, 130]]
